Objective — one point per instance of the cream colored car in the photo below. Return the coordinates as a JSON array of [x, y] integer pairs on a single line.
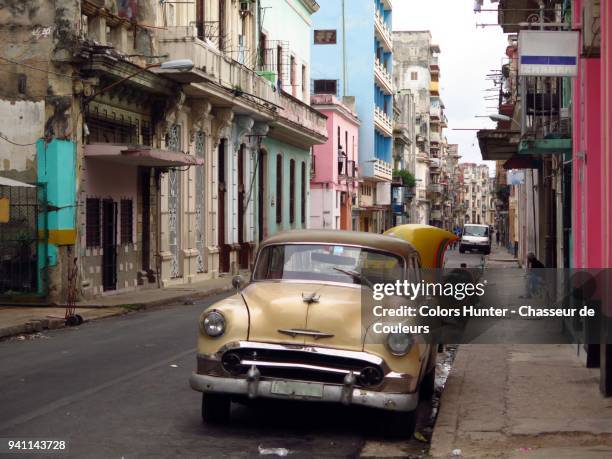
[[296, 330]]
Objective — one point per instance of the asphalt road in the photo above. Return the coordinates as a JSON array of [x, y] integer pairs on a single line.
[[118, 388]]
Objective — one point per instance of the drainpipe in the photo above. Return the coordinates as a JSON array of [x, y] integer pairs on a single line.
[[344, 82]]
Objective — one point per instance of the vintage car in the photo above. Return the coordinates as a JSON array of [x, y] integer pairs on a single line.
[[296, 330]]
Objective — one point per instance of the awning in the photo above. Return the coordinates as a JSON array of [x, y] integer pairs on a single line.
[[140, 155], [498, 145], [522, 162], [4, 181]]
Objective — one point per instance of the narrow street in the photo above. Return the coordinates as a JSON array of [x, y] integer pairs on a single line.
[[119, 388]]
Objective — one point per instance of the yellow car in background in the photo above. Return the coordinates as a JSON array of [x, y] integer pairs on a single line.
[[295, 331]]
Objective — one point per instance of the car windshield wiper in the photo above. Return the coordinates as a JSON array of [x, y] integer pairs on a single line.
[[355, 275]]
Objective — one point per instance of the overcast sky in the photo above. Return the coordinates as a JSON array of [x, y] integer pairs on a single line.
[[468, 54]]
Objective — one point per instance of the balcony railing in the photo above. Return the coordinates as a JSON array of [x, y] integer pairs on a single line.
[[435, 163], [383, 77], [383, 121], [383, 30], [434, 87], [436, 215], [434, 137]]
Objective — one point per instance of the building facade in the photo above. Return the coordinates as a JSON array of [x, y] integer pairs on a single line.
[[164, 178], [341, 67], [417, 70], [334, 185]]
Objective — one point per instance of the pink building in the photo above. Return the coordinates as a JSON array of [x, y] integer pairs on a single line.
[[335, 180]]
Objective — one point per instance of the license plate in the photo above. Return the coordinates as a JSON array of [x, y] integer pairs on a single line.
[[300, 389]]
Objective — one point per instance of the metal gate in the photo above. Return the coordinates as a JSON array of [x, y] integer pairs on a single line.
[[199, 201], [173, 143], [20, 226]]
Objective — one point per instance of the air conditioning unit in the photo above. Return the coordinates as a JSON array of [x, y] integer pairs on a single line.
[[246, 6]]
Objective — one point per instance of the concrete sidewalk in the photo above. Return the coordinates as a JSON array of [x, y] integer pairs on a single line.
[[522, 401], [15, 320]]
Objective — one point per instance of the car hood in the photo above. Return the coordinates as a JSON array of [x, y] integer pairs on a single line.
[[280, 312]]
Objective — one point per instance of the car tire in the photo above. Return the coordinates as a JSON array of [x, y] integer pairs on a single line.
[[399, 424], [428, 385], [216, 408]]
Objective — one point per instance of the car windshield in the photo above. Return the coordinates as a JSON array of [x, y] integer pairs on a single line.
[[328, 263], [479, 231]]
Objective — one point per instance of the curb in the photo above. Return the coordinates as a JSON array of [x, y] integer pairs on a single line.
[[38, 325], [137, 306]]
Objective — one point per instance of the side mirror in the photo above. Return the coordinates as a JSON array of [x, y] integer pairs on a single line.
[[237, 282]]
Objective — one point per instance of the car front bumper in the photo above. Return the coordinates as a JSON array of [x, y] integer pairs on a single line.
[[254, 387]]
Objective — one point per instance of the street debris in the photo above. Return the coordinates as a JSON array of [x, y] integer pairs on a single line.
[[525, 450], [174, 365], [29, 337], [456, 453], [282, 452], [420, 437]]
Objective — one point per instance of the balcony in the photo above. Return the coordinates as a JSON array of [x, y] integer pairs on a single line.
[[383, 78], [382, 121], [382, 170], [434, 88], [383, 32], [435, 188], [436, 163], [434, 137], [435, 112], [302, 117], [212, 68], [444, 121], [436, 215], [433, 65]]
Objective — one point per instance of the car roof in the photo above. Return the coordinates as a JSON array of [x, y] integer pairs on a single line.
[[356, 238]]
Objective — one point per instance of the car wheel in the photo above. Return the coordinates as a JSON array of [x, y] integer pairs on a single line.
[[428, 385], [215, 408], [399, 424]]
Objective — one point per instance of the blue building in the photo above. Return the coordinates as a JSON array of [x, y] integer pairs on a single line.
[[352, 55]]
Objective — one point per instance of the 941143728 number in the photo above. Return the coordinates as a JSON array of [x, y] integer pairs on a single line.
[[32, 445]]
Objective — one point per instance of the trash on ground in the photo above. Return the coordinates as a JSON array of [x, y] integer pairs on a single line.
[[525, 450], [282, 452], [174, 365], [420, 437], [456, 453]]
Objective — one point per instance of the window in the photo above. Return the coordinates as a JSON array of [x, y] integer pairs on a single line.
[[292, 191], [92, 222], [326, 87], [292, 77], [279, 188], [303, 194], [304, 85], [279, 65], [126, 221], [325, 37], [414, 76]]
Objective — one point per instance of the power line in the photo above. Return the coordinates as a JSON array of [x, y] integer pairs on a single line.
[[15, 143], [36, 68]]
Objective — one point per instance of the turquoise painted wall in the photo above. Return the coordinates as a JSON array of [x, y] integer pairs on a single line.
[[56, 172], [273, 148]]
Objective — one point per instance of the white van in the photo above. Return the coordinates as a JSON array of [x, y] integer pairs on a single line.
[[475, 238]]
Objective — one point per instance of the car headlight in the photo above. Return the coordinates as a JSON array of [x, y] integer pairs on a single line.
[[399, 343], [213, 324]]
